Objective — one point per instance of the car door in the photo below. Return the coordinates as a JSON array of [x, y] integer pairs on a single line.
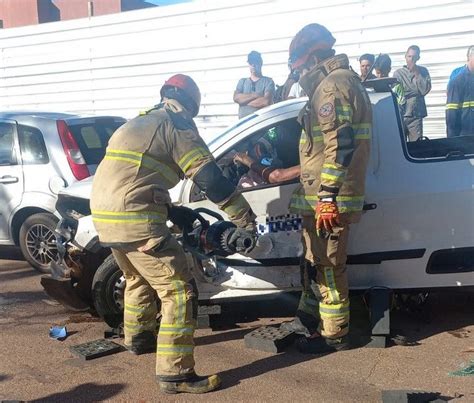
[[274, 263], [11, 177]]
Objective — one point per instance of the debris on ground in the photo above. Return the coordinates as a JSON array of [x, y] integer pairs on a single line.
[[411, 396], [95, 349], [83, 318], [58, 332], [466, 371], [460, 333]]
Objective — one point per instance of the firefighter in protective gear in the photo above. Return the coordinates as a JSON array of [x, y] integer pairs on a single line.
[[145, 158], [334, 152]]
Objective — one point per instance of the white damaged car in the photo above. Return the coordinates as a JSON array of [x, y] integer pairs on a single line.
[[417, 230]]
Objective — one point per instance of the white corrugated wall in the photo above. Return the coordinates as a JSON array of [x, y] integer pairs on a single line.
[[116, 64]]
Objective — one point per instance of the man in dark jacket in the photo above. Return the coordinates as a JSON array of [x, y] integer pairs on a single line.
[[460, 102]]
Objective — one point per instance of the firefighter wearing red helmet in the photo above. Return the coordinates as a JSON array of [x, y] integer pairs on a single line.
[[130, 205], [334, 152]]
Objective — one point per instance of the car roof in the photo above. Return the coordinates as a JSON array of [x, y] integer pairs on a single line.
[[32, 114], [279, 108], [39, 114]]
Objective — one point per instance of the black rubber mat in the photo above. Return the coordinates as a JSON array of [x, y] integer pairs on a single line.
[[96, 349], [269, 339]]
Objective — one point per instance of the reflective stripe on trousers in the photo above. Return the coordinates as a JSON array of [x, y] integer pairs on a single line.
[[165, 273]]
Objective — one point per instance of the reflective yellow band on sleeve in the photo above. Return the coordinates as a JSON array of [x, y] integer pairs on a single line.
[[350, 204], [235, 206], [362, 131], [333, 173], [307, 203], [192, 156], [453, 106], [344, 113], [303, 203], [468, 104], [316, 135]]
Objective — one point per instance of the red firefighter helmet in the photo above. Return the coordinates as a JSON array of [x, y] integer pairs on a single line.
[[311, 38], [187, 85]]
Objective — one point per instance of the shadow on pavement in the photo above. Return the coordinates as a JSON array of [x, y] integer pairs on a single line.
[[4, 377], [11, 253], [221, 337], [85, 392], [17, 274], [444, 311], [22, 297], [234, 376]]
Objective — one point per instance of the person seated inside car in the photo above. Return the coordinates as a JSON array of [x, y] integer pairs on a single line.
[[264, 166]]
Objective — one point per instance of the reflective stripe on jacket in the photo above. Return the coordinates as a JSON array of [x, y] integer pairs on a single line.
[[144, 159], [460, 104]]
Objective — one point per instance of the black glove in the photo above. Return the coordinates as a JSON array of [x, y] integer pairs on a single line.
[[181, 216], [242, 241]]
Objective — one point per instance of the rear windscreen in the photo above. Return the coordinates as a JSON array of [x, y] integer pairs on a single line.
[[93, 137]]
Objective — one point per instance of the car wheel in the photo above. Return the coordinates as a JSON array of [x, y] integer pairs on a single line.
[[38, 241], [108, 288]]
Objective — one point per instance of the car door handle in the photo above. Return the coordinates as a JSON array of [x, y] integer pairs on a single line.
[[9, 179]]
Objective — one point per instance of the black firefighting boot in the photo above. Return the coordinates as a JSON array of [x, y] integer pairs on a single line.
[[191, 383], [322, 345], [142, 343]]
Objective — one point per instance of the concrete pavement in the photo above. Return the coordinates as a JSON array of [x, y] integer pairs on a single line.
[[35, 367]]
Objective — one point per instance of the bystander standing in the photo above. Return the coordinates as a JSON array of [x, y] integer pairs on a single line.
[[460, 99], [256, 91], [416, 83]]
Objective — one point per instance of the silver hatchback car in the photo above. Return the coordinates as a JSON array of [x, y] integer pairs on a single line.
[[41, 153]]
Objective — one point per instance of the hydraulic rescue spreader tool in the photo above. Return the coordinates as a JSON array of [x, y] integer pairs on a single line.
[[203, 239]]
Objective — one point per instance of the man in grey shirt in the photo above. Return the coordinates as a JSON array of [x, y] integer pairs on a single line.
[[256, 91], [416, 83]]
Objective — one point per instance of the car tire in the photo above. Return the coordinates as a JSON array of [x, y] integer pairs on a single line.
[[38, 241], [108, 287]]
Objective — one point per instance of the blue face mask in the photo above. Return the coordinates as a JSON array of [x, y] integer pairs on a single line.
[[267, 161]]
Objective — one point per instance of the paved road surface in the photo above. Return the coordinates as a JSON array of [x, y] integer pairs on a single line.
[[34, 367]]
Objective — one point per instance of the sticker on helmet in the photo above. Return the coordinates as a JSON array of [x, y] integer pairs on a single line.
[[326, 110]]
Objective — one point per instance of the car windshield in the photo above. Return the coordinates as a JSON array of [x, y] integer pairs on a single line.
[[231, 128], [93, 137]]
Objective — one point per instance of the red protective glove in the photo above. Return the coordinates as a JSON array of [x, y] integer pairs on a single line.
[[327, 217]]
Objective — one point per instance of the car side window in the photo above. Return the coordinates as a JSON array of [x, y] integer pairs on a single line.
[[7, 141], [32, 147], [275, 146]]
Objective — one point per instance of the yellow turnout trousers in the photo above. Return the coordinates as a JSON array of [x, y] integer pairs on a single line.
[[329, 257], [166, 273]]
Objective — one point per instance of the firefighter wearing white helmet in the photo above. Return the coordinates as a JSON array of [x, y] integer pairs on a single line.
[[334, 152], [130, 205]]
